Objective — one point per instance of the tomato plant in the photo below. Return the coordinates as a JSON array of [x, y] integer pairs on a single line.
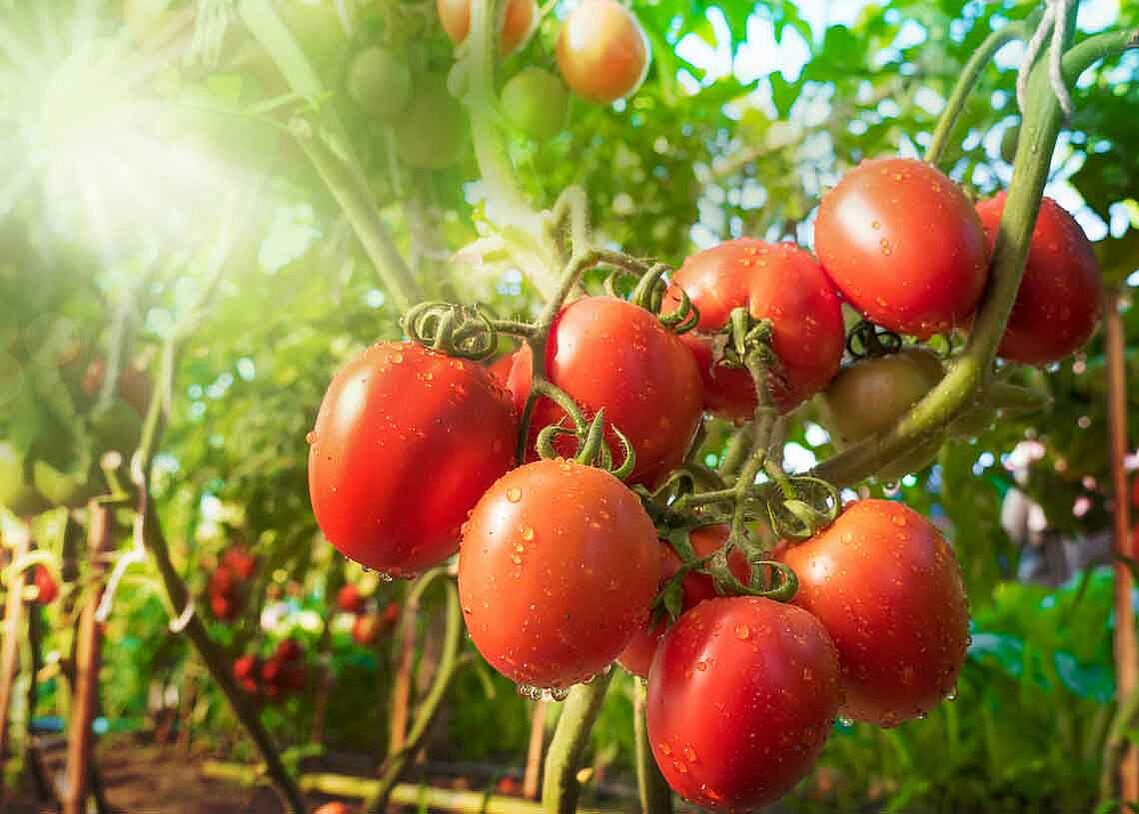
[[431, 131], [603, 53], [904, 246], [1058, 302], [887, 588], [743, 693], [393, 412], [558, 567], [778, 282]]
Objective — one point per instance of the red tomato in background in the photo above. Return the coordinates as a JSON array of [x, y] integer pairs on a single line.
[[349, 600], [520, 20], [904, 246], [1058, 303], [366, 629], [558, 568], [775, 281], [637, 656], [335, 808], [406, 441], [887, 587], [602, 51], [246, 671], [742, 695], [606, 352], [240, 561], [46, 588]]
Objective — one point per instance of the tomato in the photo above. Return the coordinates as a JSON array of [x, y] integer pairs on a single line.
[[508, 785], [239, 560], [349, 600], [608, 353], [870, 395], [366, 629], [225, 593], [536, 103], [887, 587], [602, 51], [775, 281], [390, 614], [638, 654], [1058, 303], [519, 23], [904, 246], [558, 567], [406, 441], [335, 808], [17, 493], [742, 695], [46, 588], [379, 82], [247, 671], [288, 650], [432, 131]]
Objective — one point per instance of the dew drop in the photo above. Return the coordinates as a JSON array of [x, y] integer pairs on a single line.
[[742, 632], [514, 494], [527, 533], [311, 437]]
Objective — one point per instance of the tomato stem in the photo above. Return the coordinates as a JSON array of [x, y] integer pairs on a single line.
[[655, 795], [560, 786]]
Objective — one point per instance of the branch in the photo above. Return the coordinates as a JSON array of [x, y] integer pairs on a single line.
[[560, 786], [656, 797]]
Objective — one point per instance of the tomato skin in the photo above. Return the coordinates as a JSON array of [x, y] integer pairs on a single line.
[[406, 441], [241, 561], [1058, 303], [602, 51], [535, 102], [558, 567], [775, 281], [247, 671], [366, 629], [46, 588], [606, 352], [637, 656], [887, 587], [904, 246], [349, 599], [379, 82], [742, 695], [520, 21], [334, 808]]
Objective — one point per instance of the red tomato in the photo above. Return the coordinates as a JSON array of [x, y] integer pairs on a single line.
[[246, 670], [602, 51], [1058, 303], [349, 600], [606, 352], [904, 246], [742, 696], [366, 629], [288, 650], [46, 588], [520, 21], [775, 281], [242, 563], [637, 656], [406, 441], [558, 568], [888, 589], [334, 808], [391, 613]]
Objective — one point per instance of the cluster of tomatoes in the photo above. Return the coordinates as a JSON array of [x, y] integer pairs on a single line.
[[370, 625], [560, 563], [229, 582], [277, 677]]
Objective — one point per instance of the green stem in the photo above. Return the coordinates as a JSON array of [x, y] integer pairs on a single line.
[[560, 787], [1114, 745], [972, 371], [448, 664], [969, 76], [656, 797], [352, 193]]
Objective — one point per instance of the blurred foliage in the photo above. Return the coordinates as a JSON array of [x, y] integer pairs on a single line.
[[113, 214]]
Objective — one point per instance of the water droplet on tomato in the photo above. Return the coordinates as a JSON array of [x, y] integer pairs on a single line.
[[311, 437], [514, 494], [527, 533]]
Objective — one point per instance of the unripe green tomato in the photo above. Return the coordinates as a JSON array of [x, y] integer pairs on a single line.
[[17, 494], [535, 102], [432, 132], [1009, 139], [379, 82], [62, 489]]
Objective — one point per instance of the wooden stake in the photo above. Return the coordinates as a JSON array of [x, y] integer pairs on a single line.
[[1126, 650]]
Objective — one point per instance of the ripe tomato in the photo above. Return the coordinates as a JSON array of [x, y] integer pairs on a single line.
[[606, 352], [558, 568], [742, 695], [239, 560], [379, 82], [1058, 303], [888, 589], [870, 395], [46, 588], [535, 102], [637, 656], [432, 131], [775, 281], [247, 671], [405, 442], [366, 629], [904, 246], [349, 600], [520, 21], [335, 808], [602, 51]]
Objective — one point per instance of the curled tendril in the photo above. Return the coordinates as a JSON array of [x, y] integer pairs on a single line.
[[686, 316], [592, 448], [455, 330], [649, 292], [801, 506], [868, 340]]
